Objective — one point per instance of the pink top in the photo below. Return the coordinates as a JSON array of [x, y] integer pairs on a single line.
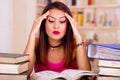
[[54, 66]]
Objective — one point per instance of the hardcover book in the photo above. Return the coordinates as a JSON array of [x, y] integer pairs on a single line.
[[11, 63], [22, 76], [109, 71], [13, 68], [109, 63], [103, 77], [104, 51], [13, 57]]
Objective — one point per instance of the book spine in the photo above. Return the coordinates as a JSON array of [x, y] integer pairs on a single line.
[[80, 18], [100, 17], [89, 17]]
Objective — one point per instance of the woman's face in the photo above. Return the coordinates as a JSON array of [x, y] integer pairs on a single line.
[[56, 24]]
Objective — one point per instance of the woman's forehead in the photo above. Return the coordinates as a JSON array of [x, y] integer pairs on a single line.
[[56, 13], [60, 17]]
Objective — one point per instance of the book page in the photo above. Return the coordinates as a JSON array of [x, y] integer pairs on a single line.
[[76, 74], [48, 75]]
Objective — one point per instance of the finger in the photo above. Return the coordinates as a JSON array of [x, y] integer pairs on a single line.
[[72, 21], [38, 21], [41, 18], [74, 26], [45, 15], [70, 18]]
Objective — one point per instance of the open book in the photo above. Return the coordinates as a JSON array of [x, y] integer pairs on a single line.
[[69, 74]]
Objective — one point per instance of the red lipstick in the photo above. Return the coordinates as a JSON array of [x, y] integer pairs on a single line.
[[56, 32]]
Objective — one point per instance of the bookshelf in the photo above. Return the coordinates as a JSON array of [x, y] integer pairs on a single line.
[[105, 32]]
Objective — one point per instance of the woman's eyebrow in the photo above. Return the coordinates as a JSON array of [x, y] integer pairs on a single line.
[[63, 17]]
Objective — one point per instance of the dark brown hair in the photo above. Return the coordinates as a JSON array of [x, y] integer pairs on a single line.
[[67, 41]]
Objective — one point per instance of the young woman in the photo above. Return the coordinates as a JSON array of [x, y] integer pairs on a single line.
[[55, 42]]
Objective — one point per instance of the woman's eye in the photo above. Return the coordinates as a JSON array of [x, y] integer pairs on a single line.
[[62, 21], [50, 21]]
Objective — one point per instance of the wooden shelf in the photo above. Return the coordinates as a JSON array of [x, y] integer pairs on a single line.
[[89, 6], [100, 28], [96, 6]]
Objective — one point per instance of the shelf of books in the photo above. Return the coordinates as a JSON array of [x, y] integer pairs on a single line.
[[96, 19], [96, 15]]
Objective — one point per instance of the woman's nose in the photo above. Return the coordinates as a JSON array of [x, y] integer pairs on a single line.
[[56, 25]]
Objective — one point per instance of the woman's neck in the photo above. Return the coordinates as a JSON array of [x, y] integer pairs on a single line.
[[55, 44]]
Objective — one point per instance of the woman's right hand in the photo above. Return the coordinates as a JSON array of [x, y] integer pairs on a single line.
[[37, 23]]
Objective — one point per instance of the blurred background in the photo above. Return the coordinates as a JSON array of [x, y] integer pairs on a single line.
[[17, 16]]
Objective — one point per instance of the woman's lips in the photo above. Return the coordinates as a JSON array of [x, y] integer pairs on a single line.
[[56, 32]]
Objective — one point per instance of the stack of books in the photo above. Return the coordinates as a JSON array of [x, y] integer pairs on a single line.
[[108, 56], [109, 69], [13, 66]]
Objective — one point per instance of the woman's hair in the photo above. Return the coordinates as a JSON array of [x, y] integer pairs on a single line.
[[67, 41]]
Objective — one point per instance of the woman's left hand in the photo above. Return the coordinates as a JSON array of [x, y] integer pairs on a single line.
[[75, 28]]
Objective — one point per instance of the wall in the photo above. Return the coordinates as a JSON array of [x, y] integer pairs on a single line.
[[6, 23], [16, 21]]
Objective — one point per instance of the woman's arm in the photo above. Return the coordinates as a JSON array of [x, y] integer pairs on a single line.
[[30, 49], [33, 41], [81, 57], [82, 60]]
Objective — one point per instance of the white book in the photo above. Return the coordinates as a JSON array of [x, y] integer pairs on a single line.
[[69, 74], [13, 68], [109, 71], [13, 57], [108, 63], [108, 78], [22, 76]]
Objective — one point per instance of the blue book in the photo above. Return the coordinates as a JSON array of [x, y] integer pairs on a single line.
[[104, 51]]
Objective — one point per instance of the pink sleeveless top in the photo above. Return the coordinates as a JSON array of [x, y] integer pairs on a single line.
[[54, 66]]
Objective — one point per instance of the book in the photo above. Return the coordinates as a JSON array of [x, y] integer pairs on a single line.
[[22, 76], [108, 78], [109, 71], [80, 18], [13, 68], [104, 51], [88, 17], [100, 17], [69, 74], [13, 57], [109, 63]]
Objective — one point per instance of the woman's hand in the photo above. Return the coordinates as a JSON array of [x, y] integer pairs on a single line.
[[37, 23], [75, 28], [81, 58]]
